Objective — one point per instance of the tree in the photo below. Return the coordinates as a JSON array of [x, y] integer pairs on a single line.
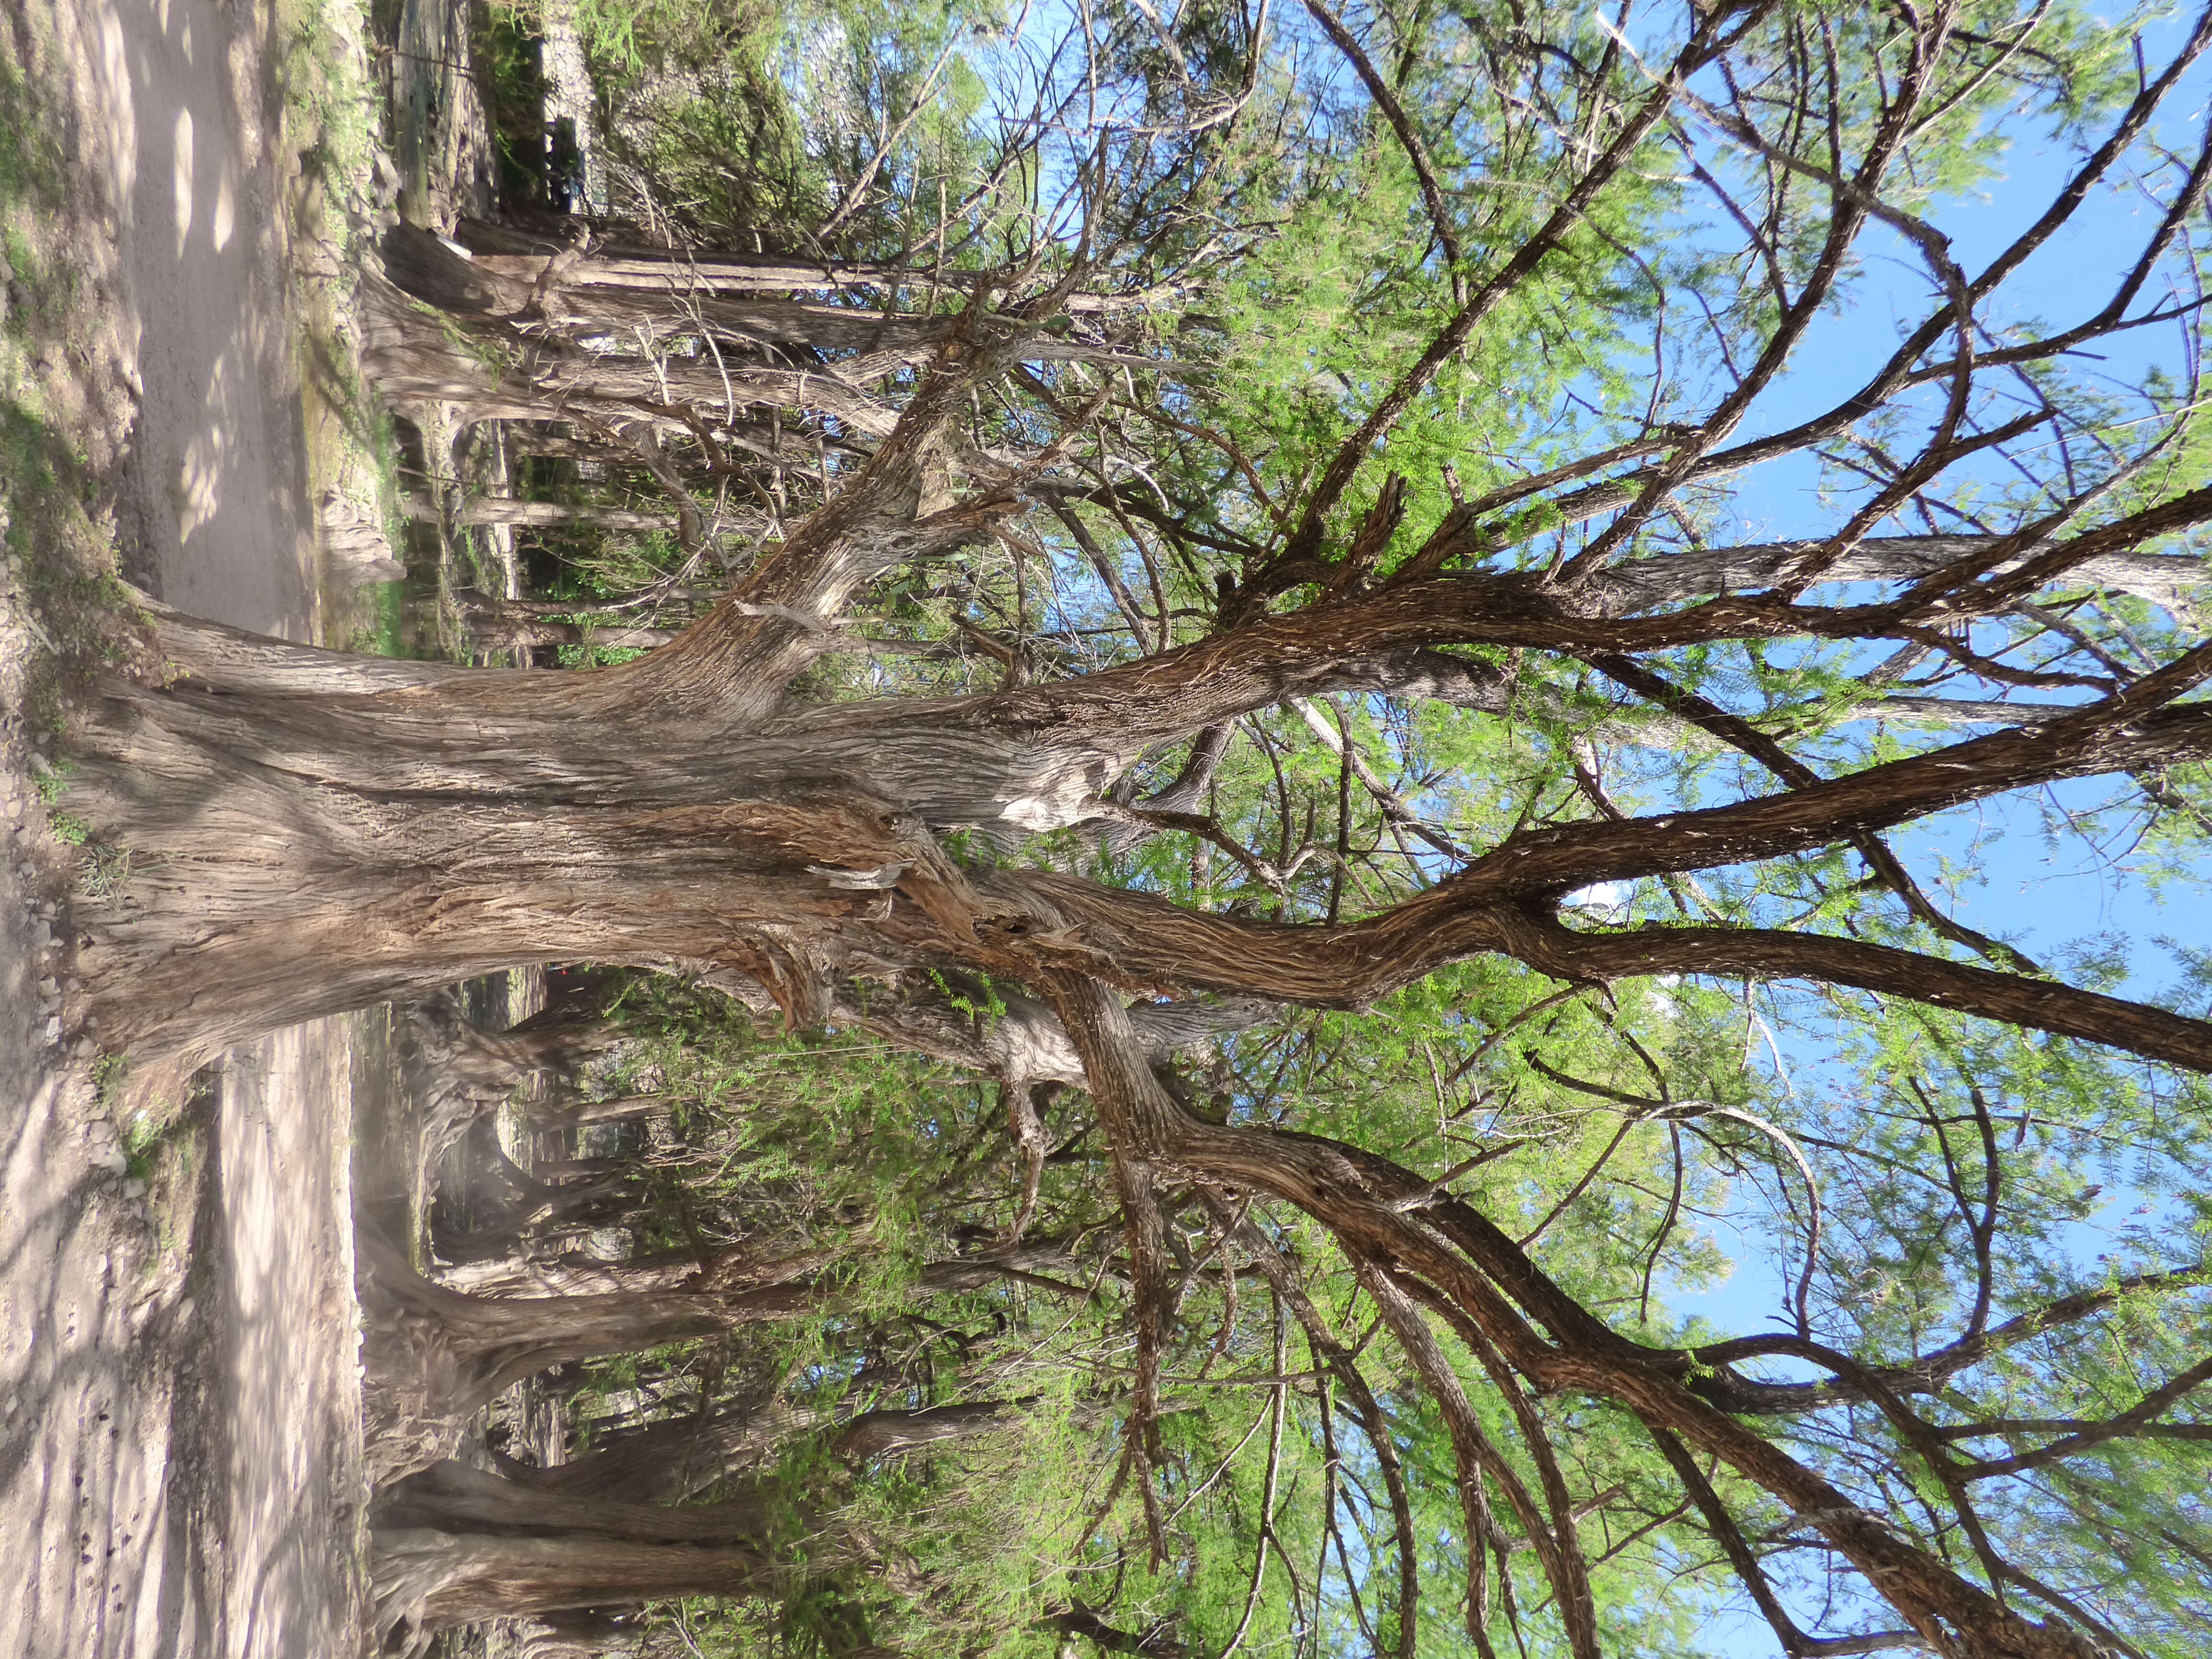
[[1518, 578]]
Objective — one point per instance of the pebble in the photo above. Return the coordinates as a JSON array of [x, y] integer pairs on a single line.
[[115, 1163], [54, 1030], [134, 1188]]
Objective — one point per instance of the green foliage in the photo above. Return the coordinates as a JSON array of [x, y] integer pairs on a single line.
[[142, 1138]]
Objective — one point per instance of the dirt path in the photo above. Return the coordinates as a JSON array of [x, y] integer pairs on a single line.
[[180, 1423], [218, 497]]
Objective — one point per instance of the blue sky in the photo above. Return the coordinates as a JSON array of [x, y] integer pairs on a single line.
[[2041, 895]]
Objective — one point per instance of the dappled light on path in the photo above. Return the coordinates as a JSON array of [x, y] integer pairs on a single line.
[[219, 510]]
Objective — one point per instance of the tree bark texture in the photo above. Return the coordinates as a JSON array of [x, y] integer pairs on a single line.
[[296, 848], [455, 1544]]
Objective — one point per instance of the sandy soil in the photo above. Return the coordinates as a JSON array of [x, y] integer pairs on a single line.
[[216, 495], [179, 1422]]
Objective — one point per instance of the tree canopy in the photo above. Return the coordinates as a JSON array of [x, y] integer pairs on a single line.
[[1292, 757]]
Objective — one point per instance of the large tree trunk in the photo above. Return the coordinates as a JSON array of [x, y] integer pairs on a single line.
[[293, 834], [670, 1461], [279, 857], [545, 515]]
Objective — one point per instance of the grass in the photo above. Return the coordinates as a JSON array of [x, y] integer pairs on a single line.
[[142, 1138], [53, 781], [330, 112], [332, 118], [103, 871], [145, 1133]]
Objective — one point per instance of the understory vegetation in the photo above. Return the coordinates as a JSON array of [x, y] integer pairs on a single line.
[[1272, 767]]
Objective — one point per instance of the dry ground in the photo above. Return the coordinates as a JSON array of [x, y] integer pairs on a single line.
[[180, 1423]]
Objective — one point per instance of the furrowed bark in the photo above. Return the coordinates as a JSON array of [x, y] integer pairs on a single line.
[[350, 847], [455, 1497], [432, 1356], [455, 1545], [429, 1581]]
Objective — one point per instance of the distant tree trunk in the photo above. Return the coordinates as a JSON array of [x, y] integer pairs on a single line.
[[669, 1461], [492, 632], [355, 541], [571, 101], [429, 1581], [457, 1072], [521, 256], [457, 1499], [578, 515], [431, 1356], [743, 1267], [539, 1208], [455, 1544], [572, 1114], [463, 353]]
